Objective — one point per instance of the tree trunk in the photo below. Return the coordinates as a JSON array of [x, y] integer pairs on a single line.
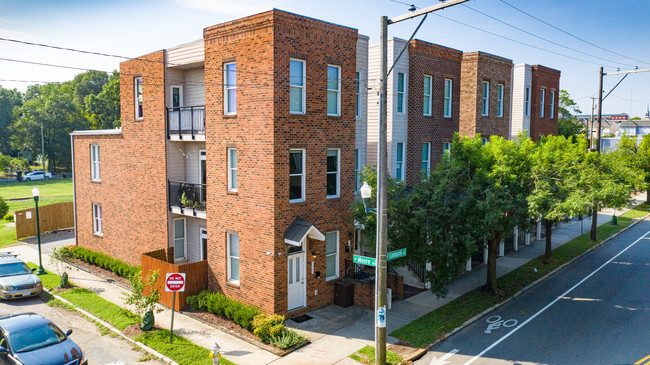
[[594, 224], [493, 247], [549, 231]]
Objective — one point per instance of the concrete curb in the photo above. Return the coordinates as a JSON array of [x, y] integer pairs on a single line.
[[109, 326], [529, 286]]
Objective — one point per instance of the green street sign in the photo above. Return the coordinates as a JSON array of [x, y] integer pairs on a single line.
[[397, 254], [370, 261]]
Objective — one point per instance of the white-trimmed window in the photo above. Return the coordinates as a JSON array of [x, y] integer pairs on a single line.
[[176, 96], [98, 227], [426, 157], [552, 112], [527, 101], [447, 98], [233, 257], [399, 161], [400, 92], [357, 170], [230, 88], [331, 255], [446, 150], [296, 176], [500, 89], [333, 90], [486, 98], [357, 110], [484, 141], [333, 173], [139, 110], [95, 173], [180, 239], [232, 169], [426, 99], [542, 96], [297, 90]]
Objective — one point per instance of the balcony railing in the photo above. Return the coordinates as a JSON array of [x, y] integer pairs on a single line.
[[189, 198], [186, 120]]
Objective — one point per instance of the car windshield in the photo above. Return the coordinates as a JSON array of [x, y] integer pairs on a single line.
[[14, 268], [34, 338]]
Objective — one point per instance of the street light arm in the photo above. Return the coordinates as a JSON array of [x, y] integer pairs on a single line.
[[426, 10]]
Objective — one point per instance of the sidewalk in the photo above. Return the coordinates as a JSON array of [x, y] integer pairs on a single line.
[[334, 332]]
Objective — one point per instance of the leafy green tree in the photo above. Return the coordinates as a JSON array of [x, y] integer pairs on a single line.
[[87, 83], [9, 99], [567, 124], [103, 108], [644, 163], [5, 162]]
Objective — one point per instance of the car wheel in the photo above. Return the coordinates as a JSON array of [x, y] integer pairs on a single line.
[[28, 179], [47, 178]]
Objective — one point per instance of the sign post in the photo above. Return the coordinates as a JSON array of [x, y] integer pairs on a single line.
[[174, 282]]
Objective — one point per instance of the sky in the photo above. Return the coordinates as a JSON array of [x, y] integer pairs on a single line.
[[617, 31]]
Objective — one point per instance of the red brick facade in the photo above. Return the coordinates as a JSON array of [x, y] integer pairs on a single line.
[[544, 78]]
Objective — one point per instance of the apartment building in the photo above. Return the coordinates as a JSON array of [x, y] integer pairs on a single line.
[[535, 100], [241, 149]]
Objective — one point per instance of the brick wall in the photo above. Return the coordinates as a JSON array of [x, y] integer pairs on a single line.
[[549, 80]]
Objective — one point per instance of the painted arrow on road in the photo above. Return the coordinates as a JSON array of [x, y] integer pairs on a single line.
[[443, 360]]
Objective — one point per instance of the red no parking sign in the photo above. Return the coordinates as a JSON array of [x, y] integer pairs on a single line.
[[175, 282]]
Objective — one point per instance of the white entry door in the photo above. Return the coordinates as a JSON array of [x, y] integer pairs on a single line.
[[297, 285]]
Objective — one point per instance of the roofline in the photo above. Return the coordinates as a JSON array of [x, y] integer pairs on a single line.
[[97, 132]]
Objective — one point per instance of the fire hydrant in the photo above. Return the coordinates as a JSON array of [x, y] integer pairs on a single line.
[[215, 355]]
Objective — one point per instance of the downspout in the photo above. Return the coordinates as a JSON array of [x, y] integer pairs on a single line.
[[74, 191]]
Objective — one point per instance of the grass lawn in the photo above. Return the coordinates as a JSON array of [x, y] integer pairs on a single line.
[[7, 235], [367, 356], [48, 188], [434, 325]]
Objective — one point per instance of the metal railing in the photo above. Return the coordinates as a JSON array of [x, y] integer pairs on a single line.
[[187, 195], [357, 272], [418, 269], [186, 120]]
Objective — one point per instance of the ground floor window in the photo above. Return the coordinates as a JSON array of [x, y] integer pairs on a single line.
[[180, 242], [331, 255], [233, 258]]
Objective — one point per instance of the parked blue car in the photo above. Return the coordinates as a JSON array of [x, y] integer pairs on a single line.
[[29, 338]]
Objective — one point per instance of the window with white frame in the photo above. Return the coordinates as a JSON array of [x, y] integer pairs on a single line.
[[297, 90], [95, 173], [484, 141], [447, 98], [500, 89], [333, 173], [331, 255], [446, 150], [180, 239], [527, 102], [486, 98], [400, 93], [139, 110], [98, 227], [399, 161], [232, 169], [542, 96], [357, 110], [357, 170], [296, 175], [552, 111], [426, 99], [426, 157], [233, 258], [333, 90], [230, 88]]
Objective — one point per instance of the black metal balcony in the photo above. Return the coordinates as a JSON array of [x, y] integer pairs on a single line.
[[186, 121], [187, 196]]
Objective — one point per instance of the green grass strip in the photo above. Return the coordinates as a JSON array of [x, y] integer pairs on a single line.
[[181, 350], [435, 324], [7, 235], [366, 355]]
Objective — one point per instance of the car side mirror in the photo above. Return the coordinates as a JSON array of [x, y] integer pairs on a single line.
[[33, 269], [68, 333], [3, 350]]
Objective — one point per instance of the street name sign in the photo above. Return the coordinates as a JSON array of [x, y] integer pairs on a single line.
[[370, 261], [397, 254]]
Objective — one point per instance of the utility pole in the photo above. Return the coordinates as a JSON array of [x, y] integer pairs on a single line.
[[591, 128], [382, 175], [594, 214]]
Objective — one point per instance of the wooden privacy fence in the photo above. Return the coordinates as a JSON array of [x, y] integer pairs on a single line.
[[52, 217], [196, 277]]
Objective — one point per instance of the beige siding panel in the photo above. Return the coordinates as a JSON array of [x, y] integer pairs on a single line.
[[194, 89], [521, 79], [193, 161], [186, 54], [373, 104], [175, 161]]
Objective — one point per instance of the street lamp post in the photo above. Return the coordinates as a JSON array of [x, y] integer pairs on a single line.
[[36, 193]]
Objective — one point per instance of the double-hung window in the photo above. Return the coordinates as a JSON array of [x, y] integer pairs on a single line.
[[297, 90], [230, 88], [139, 110], [426, 99], [357, 170], [180, 239], [296, 176], [486, 98], [446, 150], [331, 255], [527, 102], [357, 110], [333, 173], [426, 157], [542, 96], [98, 227], [333, 90], [399, 162], [500, 89], [400, 93], [552, 111], [233, 257], [232, 169], [95, 173], [447, 98]]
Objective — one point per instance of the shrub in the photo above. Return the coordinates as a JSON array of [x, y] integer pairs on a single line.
[[8, 218], [287, 338], [265, 326], [119, 267], [4, 207], [219, 304]]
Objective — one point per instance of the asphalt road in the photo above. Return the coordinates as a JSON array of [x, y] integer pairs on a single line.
[[100, 350], [594, 311]]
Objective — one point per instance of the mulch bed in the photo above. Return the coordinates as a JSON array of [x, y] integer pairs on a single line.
[[101, 272], [222, 323]]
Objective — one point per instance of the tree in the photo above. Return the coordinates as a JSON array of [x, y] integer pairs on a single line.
[[87, 83], [567, 124], [644, 163], [144, 306], [103, 109], [9, 99]]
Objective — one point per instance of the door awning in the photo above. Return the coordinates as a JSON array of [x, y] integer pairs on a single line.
[[299, 229]]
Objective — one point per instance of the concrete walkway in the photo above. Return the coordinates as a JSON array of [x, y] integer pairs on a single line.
[[335, 332]]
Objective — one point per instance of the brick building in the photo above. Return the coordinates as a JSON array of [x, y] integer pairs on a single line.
[[240, 149]]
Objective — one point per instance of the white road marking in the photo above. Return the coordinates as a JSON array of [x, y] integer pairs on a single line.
[[553, 302], [442, 360]]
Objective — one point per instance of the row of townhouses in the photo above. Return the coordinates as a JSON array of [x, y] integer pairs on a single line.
[[243, 149]]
